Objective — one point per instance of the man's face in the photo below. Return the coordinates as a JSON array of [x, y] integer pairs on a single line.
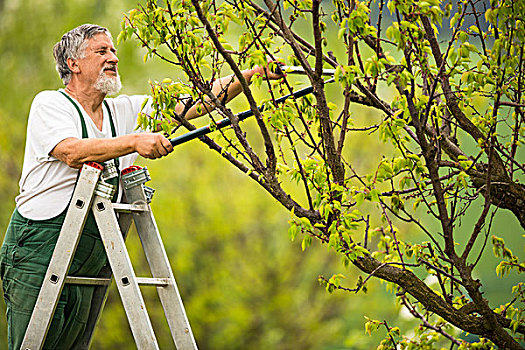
[[100, 62]]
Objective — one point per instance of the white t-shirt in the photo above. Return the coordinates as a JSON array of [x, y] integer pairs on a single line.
[[47, 184]]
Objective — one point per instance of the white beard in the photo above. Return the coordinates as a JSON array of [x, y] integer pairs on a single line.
[[108, 85]]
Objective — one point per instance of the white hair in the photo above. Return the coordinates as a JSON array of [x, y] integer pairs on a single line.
[[73, 45]]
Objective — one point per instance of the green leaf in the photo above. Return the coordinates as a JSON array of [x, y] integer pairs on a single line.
[[359, 198], [293, 230], [341, 33], [374, 195], [307, 241]]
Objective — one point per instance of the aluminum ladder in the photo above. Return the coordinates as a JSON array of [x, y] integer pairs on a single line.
[[93, 193]]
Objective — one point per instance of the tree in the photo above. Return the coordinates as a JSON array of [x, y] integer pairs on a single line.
[[212, 230], [450, 109]]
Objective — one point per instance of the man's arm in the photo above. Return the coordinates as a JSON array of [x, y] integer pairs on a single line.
[[75, 152], [226, 89]]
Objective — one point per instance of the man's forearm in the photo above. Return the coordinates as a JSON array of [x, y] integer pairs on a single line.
[[75, 152], [226, 89]]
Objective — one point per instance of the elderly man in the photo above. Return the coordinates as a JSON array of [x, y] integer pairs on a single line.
[[65, 129]]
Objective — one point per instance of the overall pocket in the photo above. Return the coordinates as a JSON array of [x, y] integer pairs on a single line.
[[34, 247]]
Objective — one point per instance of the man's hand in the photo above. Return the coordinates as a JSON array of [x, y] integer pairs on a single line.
[[266, 72], [152, 146]]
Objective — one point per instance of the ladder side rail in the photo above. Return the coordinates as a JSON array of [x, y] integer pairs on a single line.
[[160, 267], [61, 259], [101, 292], [124, 274]]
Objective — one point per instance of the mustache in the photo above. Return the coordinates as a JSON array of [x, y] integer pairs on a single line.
[[110, 66]]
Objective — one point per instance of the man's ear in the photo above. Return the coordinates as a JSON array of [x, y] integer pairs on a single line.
[[73, 65]]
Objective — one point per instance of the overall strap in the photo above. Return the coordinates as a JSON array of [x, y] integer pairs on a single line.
[[113, 132], [114, 181], [117, 163], [84, 129]]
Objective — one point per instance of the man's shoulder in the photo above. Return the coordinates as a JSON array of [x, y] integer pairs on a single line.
[[50, 103], [48, 94], [47, 97]]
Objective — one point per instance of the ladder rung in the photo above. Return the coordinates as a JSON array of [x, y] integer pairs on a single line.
[[94, 281], [129, 208], [159, 282]]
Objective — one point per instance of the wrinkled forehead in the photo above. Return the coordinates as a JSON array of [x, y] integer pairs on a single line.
[[100, 40]]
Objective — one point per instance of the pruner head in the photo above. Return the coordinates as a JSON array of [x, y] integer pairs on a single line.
[[300, 70]]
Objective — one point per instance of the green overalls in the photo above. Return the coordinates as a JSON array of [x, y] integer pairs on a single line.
[[24, 258]]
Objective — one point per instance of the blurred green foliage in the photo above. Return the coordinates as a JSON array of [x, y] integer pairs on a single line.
[[244, 284]]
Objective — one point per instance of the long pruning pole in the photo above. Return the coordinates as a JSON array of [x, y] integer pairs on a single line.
[[243, 115]]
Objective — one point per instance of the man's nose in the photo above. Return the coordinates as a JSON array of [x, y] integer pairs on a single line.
[[113, 57]]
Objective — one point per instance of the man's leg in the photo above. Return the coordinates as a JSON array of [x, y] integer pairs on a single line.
[[89, 259], [24, 259]]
